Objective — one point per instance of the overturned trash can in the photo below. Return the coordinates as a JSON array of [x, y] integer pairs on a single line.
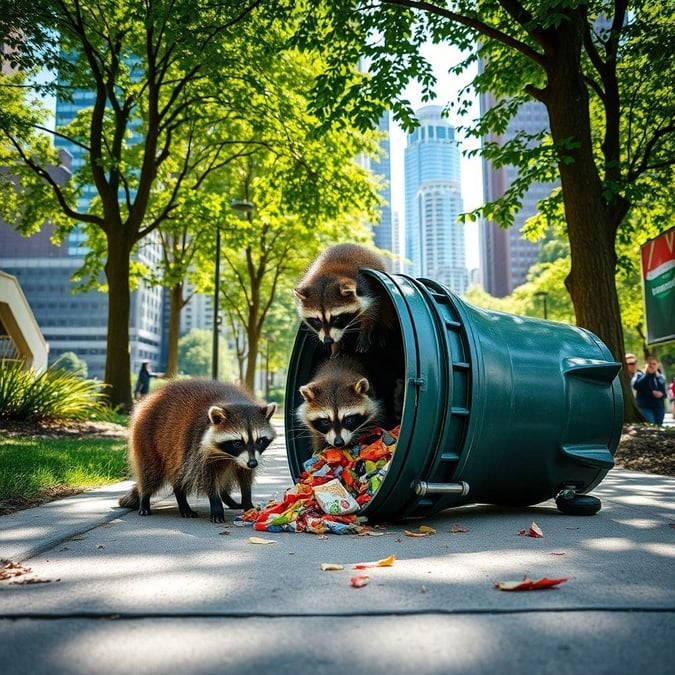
[[496, 408]]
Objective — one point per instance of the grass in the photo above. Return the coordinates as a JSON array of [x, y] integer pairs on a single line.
[[37, 470]]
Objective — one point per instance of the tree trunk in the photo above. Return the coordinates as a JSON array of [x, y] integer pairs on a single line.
[[592, 222], [176, 299], [253, 339], [118, 359]]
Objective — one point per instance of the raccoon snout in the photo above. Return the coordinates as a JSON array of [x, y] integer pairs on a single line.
[[252, 463], [328, 340], [338, 442]]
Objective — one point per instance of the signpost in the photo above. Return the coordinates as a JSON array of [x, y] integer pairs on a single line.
[[658, 286]]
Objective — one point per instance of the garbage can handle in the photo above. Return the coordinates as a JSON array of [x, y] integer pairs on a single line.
[[421, 488]]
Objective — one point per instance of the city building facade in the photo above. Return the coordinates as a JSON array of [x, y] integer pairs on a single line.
[[434, 239], [505, 255]]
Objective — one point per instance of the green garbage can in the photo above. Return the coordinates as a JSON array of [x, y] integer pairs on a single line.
[[497, 408]]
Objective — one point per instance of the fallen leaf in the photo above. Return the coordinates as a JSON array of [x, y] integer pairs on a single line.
[[224, 532], [260, 540], [558, 553], [528, 584], [423, 531], [330, 567], [12, 569], [358, 582], [385, 562], [458, 529]]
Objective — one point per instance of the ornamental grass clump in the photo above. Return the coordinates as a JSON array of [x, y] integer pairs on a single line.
[[51, 395]]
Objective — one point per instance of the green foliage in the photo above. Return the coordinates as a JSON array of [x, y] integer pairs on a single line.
[[38, 469], [195, 355], [72, 363], [51, 395], [179, 92]]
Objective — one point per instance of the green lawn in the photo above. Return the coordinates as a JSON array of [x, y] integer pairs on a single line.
[[33, 471]]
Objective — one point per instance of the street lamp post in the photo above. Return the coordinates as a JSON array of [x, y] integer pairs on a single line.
[[543, 295], [216, 317]]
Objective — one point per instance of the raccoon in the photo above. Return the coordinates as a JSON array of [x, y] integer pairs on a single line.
[[339, 404], [199, 436], [335, 299]]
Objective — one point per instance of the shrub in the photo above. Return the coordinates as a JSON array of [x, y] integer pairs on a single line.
[[53, 394]]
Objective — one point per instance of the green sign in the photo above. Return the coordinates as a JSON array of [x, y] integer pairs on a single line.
[[658, 283]]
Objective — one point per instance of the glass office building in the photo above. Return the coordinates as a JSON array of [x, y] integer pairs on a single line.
[[434, 240]]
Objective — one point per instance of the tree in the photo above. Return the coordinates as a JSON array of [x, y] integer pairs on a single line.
[[602, 69], [71, 362], [268, 250], [161, 73], [298, 181], [194, 355]]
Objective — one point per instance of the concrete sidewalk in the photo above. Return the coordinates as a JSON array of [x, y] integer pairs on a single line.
[[162, 594]]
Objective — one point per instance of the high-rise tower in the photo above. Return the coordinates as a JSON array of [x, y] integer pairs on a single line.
[[434, 239], [505, 256]]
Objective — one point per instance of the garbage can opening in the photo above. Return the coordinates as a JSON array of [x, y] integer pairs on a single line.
[[493, 407]]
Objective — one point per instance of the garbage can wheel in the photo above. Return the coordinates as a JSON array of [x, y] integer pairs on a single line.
[[578, 505]]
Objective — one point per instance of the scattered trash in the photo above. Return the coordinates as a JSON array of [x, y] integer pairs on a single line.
[[528, 584], [534, 531], [360, 581], [334, 485], [331, 567], [385, 562], [260, 540]]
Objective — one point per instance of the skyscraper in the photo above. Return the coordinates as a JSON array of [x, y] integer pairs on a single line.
[[383, 231], [505, 255], [434, 240]]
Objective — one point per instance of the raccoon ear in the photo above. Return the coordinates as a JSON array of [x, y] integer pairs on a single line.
[[347, 287], [362, 386], [217, 415], [300, 293], [307, 392], [269, 410]]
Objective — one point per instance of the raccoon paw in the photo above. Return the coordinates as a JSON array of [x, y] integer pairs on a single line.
[[218, 517], [144, 511], [188, 513]]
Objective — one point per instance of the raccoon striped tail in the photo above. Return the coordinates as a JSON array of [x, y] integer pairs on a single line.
[[131, 500]]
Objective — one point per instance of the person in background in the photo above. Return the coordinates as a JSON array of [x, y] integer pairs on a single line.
[[630, 362], [671, 393], [650, 388], [143, 383]]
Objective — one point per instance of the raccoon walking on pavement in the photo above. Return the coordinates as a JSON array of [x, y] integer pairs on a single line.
[[339, 404], [199, 436], [335, 299]]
